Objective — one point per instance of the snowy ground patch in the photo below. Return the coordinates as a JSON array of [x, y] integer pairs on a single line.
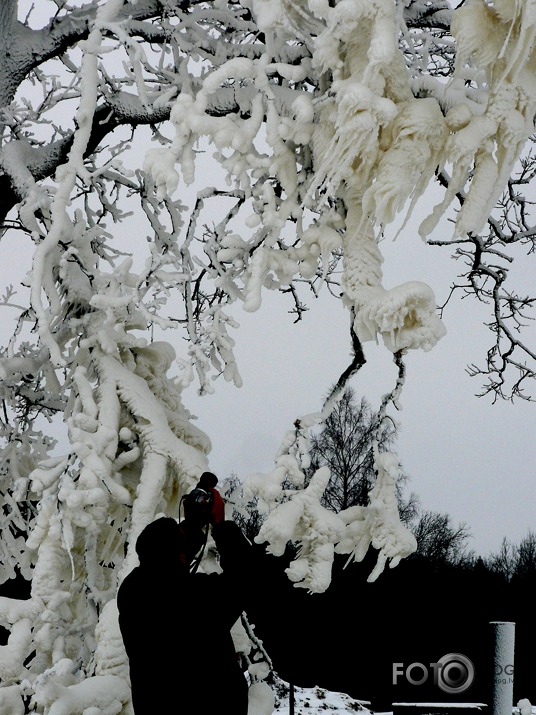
[[318, 701], [315, 700]]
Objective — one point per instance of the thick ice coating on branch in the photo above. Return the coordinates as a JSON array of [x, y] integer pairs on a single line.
[[103, 694], [499, 41], [405, 316], [298, 517], [303, 520], [378, 525], [412, 147], [378, 146]]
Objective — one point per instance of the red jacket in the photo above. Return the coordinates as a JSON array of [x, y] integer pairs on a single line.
[[217, 513]]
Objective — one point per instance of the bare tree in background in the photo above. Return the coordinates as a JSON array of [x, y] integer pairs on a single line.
[[438, 539], [515, 562], [345, 444], [504, 561], [525, 567], [244, 513]]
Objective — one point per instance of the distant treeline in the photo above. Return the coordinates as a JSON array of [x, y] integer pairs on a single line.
[[351, 637]]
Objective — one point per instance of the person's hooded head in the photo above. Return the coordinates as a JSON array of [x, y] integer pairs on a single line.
[[160, 545], [208, 480]]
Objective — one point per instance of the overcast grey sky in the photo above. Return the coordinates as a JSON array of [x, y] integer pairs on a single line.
[[464, 455]]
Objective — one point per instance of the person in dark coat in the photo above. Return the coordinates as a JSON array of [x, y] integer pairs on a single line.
[[176, 624], [204, 505]]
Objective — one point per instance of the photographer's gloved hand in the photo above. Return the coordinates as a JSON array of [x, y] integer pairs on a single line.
[[234, 549]]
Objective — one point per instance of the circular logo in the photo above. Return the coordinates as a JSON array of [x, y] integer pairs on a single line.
[[456, 673]]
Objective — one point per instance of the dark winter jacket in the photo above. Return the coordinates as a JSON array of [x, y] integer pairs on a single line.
[[176, 625], [205, 504]]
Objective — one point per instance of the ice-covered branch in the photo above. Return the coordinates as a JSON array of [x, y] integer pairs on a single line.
[[302, 520], [488, 260], [378, 525], [437, 14]]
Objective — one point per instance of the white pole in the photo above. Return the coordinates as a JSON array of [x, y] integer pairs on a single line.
[[503, 667]]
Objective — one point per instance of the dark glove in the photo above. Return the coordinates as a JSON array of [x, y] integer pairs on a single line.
[[233, 547]]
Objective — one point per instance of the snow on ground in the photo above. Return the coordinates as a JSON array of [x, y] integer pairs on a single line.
[[316, 701]]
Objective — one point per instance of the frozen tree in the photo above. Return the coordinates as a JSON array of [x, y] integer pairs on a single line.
[[235, 147]]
